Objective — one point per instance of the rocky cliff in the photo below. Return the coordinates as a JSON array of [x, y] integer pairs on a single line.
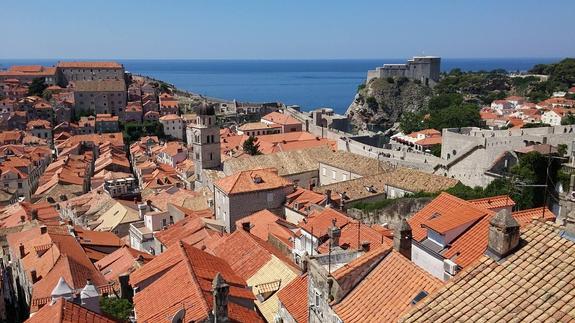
[[379, 104]]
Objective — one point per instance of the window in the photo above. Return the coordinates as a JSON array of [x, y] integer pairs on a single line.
[[210, 156], [164, 222], [344, 177], [323, 171], [333, 174]]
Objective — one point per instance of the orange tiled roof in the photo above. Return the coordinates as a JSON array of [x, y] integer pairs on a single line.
[[89, 65], [386, 292], [293, 299], [280, 118], [533, 284], [444, 213], [319, 221], [64, 257], [247, 253], [123, 260], [527, 216], [246, 181], [349, 236], [192, 270], [64, 311], [264, 222], [494, 202], [472, 244]]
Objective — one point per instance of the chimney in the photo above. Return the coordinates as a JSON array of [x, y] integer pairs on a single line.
[[327, 197], [149, 203], [334, 232], [220, 290], [126, 290], [34, 214], [246, 226], [34, 276], [402, 239], [365, 246], [43, 229], [503, 235], [90, 297], [22, 250]]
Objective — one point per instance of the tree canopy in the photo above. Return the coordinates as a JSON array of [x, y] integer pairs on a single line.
[[251, 146], [37, 86]]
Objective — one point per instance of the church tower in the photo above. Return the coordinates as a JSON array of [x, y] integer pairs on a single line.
[[204, 137]]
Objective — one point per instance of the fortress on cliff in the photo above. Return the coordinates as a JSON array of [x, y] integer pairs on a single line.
[[423, 68]]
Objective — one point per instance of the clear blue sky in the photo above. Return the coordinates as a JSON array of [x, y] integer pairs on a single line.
[[270, 29]]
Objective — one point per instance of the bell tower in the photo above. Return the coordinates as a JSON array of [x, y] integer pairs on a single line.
[[204, 137]]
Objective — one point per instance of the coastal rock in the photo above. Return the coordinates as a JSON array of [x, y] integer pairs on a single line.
[[381, 103]]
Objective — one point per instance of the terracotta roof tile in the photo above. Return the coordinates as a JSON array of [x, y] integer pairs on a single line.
[[123, 260], [280, 118], [89, 65], [294, 298], [444, 213], [533, 284], [349, 238], [263, 223], [247, 253], [318, 222], [252, 181], [386, 292], [64, 311], [494, 202], [193, 271]]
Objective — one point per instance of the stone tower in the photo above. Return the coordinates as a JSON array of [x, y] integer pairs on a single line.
[[204, 138]]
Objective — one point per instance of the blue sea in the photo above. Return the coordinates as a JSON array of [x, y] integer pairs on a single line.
[[307, 83]]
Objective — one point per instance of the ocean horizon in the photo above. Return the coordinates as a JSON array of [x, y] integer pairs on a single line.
[[309, 83]]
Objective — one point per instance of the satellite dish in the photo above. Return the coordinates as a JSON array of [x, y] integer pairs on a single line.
[[179, 316]]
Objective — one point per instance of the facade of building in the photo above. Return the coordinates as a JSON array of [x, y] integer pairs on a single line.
[[101, 97], [173, 126]]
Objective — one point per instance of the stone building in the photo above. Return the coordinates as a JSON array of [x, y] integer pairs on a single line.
[[423, 68], [100, 97], [107, 123], [246, 192], [89, 71]]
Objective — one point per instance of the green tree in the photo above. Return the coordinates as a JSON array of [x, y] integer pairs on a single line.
[[568, 119], [251, 146], [410, 122], [37, 86], [562, 149], [466, 115], [446, 100], [118, 308], [360, 87]]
